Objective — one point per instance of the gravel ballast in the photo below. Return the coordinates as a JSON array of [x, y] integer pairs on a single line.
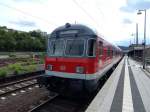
[[23, 101]]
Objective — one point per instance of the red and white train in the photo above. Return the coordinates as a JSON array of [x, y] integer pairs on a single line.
[[77, 58]]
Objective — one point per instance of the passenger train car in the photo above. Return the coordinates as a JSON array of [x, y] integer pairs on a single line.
[[77, 58]]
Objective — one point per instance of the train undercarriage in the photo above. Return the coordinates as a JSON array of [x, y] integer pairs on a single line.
[[68, 86]]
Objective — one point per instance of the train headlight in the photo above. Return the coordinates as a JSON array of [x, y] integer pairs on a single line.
[[79, 69], [49, 67]]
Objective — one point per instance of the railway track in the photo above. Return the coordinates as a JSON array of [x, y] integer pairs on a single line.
[[41, 105], [13, 87], [64, 104], [14, 78], [19, 81], [59, 103]]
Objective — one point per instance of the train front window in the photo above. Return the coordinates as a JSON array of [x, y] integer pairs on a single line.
[[56, 47], [74, 47]]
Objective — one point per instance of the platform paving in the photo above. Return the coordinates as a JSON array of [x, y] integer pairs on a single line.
[[127, 90]]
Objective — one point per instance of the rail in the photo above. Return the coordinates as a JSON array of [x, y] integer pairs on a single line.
[[16, 86], [38, 107], [20, 76]]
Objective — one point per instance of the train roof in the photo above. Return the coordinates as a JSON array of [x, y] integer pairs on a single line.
[[72, 29], [80, 30]]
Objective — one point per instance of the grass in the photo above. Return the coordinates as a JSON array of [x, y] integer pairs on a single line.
[[30, 68], [3, 73], [17, 69], [23, 65]]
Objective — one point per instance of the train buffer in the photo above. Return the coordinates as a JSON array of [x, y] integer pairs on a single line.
[[127, 90]]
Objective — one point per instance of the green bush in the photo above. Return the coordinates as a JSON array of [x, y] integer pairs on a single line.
[[3, 73], [31, 68], [33, 62], [22, 67], [42, 55], [16, 68], [41, 61]]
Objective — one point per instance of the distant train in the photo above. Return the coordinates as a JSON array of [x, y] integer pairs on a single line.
[[77, 58]]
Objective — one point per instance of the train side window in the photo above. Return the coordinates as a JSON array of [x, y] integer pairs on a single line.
[[108, 51], [113, 52], [100, 48], [91, 47]]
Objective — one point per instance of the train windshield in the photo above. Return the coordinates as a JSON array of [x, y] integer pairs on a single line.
[[56, 47], [75, 47]]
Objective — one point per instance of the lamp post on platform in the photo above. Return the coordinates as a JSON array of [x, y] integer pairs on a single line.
[[144, 43]]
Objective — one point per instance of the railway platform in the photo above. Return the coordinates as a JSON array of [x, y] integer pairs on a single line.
[[127, 90]]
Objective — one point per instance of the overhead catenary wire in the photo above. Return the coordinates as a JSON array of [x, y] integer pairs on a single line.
[[27, 14], [78, 5], [46, 21], [91, 17]]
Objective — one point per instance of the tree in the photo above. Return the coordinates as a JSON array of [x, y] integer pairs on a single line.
[[12, 40]]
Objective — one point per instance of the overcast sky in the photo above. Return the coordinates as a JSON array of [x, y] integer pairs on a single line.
[[114, 19]]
